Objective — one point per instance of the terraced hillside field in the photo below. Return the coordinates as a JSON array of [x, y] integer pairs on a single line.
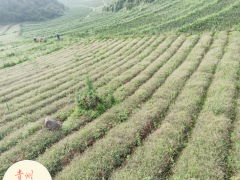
[[85, 19], [176, 114], [163, 16]]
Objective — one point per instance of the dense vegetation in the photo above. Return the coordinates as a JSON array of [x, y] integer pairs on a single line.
[[160, 16], [120, 4], [177, 16], [29, 10], [140, 94], [170, 93]]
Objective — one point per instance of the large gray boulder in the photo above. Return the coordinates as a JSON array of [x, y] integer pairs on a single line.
[[51, 124]]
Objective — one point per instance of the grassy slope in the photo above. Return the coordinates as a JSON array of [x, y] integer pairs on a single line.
[[139, 65], [139, 69]]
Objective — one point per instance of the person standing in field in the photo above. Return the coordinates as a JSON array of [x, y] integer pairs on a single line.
[[44, 39], [58, 36], [39, 39], [35, 39]]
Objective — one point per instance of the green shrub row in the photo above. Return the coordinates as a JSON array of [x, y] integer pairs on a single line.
[[45, 110], [28, 106], [108, 153], [38, 149], [118, 114], [206, 153], [158, 152]]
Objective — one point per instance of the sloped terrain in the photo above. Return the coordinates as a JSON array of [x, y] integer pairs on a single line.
[[177, 16], [176, 115], [19, 11], [158, 17]]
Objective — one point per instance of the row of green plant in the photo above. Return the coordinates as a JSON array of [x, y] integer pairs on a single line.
[[108, 153], [36, 76], [206, 155], [85, 111], [153, 18], [234, 153], [61, 87], [158, 59], [12, 139], [119, 113], [35, 139], [22, 49], [64, 63], [222, 20], [79, 66], [58, 93], [118, 79], [5, 131], [21, 86], [48, 50], [120, 4], [182, 15], [211, 8], [179, 22], [23, 82], [159, 152]]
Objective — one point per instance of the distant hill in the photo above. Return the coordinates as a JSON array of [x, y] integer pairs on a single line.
[[29, 10]]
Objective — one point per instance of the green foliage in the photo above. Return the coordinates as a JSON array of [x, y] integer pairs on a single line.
[[29, 10], [120, 4], [88, 98], [172, 17], [10, 54], [89, 103], [10, 64], [129, 6]]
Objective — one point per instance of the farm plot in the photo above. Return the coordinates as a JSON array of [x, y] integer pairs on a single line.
[[164, 87], [206, 157]]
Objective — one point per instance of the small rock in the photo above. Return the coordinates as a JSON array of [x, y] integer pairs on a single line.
[[51, 124]]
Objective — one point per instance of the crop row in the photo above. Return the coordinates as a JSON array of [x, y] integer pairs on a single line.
[[25, 82], [60, 85], [33, 117], [154, 18], [214, 6], [14, 58], [42, 60], [75, 70], [53, 48], [134, 74], [9, 72], [234, 153], [157, 153], [206, 154], [126, 65], [55, 137], [108, 153], [36, 136], [227, 17], [174, 24], [157, 62], [95, 130], [119, 71], [39, 62]]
